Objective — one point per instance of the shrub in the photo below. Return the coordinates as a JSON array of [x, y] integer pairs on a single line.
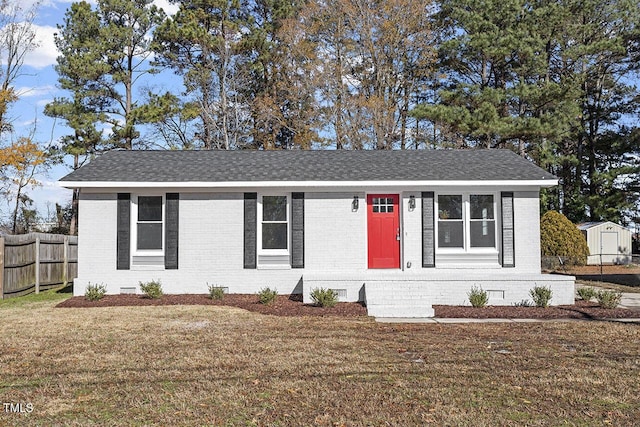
[[95, 292], [560, 237], [324, 297], [586, 294], [541, 296], [478, 297], [215, 292], [523, 303], [267, 295], [152, 289], [609, 299]]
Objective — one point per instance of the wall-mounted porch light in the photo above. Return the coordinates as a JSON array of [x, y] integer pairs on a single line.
[[355, 204], [412, 202]]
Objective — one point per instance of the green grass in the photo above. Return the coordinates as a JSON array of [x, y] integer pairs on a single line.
[[212, 365], [55, 295]]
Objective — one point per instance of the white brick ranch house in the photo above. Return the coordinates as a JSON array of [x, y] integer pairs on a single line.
[[400, 230]]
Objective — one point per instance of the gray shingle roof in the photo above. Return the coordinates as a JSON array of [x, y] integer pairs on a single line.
[[587, 225], [296, 165]]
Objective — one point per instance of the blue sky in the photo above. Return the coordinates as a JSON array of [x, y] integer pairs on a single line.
[[38, 86]]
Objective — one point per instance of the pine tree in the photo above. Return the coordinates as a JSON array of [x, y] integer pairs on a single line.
[[204, 43], [103, 54]]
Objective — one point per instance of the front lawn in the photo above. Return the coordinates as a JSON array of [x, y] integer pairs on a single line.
[[211, 365], [53, 295]]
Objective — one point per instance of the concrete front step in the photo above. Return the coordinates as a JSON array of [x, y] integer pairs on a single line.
[[398, 300], [409, 309], [397, 296]]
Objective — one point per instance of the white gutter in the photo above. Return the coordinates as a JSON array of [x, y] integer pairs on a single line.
[[306, 184]]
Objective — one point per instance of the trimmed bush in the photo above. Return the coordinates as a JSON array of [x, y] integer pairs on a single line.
[[478, 297], [560, 237], [324, 297], [609, 299], [267, 295], [152, 289], [215, 292], [541, 295], [95, 292], [586, 294]]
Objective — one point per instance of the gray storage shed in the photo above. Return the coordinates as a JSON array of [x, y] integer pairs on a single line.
[[609, 243]]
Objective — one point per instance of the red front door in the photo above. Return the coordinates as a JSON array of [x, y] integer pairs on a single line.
[[383, 225]]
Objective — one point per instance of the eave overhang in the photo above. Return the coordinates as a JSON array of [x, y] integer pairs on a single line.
[[227, 185]]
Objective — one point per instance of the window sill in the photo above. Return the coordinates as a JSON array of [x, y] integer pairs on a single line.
[[468, 259], [471, 251], [147, 268], [444, 265], [273, 267]]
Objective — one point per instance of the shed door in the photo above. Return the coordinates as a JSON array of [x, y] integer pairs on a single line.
[[609, 246], [383, 226]]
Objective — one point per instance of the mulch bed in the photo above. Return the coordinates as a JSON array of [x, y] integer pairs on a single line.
[[286, 305], [580, 310]]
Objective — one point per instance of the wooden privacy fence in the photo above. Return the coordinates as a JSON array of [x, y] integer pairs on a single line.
[[36, 261]]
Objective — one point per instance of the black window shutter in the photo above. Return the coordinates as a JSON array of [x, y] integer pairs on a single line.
[[172, 210], [123, 238], [508, 244], [428, 230], [297, 230], [250, 229]]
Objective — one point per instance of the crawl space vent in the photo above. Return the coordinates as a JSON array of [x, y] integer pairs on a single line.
[[342, 294], [495, 295]]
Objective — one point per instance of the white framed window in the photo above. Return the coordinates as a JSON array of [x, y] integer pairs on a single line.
[[482, 221], [450, 221], [147, 217], [274, 230], [274, 224], [466, 222]]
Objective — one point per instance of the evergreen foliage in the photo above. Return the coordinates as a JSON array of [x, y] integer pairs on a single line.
[[324, 297], [560, 237], [478, 297], [152, 289], [95, 292], [215, 292], [267, 295], [608, 298], [587, 293], [551, 81], [541, 296]]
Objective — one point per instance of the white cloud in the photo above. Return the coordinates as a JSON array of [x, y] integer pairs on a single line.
[[43, 102], [28, 4], [46, 52], [49, 192], [32, 92], [169, 9], [63, 4], [28, 123]]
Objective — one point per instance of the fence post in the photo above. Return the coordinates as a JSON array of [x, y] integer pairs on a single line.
[[37, 265], [65, 263], [601, 267], [1, 267]]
